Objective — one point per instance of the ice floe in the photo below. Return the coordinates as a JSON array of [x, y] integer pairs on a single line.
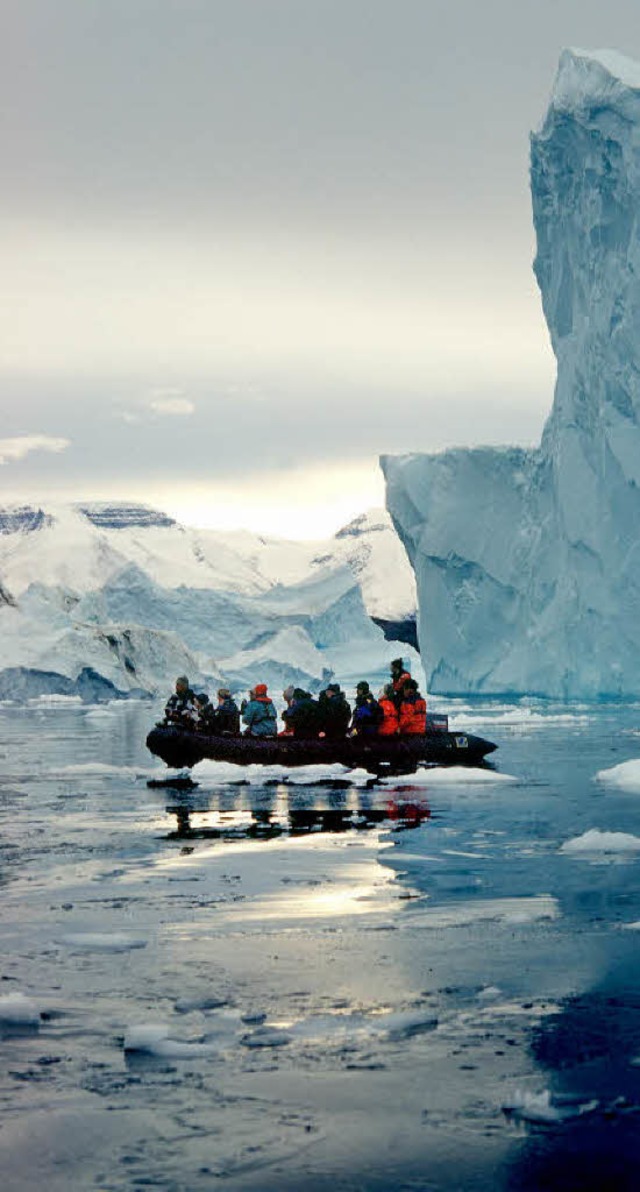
[[19, 1010], [489, 993], [595, 841], [266, 1036], [546, 1107], [449, 775], [155, 1039], [471, 719], [625, 776], [256, 775], [102, 941]]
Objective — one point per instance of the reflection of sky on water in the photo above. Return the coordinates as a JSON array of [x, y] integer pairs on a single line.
[[273, 896]]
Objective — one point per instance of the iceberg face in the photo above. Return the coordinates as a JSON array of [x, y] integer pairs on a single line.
[[528, 562]]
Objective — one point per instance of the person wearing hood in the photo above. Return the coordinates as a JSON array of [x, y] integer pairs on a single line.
[[302, 715], [334, 712], [259, 714], [226, 718], [287, 696]]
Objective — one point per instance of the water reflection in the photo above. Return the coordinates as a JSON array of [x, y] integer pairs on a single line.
[[590, 1056], [265, 813]]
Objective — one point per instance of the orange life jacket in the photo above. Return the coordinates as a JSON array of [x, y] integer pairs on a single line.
[[413, 716], [399, 683], [389, 724]]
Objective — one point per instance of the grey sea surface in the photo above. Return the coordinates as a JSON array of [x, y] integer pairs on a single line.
[[427, 984]]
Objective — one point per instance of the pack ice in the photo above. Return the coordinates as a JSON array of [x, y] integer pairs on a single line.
[[528, 561]]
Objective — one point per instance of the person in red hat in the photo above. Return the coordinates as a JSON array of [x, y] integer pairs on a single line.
[[259, 714]]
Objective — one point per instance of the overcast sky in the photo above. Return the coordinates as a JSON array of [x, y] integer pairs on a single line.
[[248, 245]]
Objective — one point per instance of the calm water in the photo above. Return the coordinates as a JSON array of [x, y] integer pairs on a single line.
[[318, 986]]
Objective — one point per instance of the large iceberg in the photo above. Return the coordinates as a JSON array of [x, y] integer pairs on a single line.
[[528, 561]]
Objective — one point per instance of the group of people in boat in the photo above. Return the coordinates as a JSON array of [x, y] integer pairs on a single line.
[[399, 709]]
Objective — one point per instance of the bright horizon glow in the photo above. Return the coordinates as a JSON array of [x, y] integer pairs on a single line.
[[304, 503]]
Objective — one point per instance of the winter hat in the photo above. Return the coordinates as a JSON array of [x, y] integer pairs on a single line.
[[224, 693], [363, 686], [397, 664], [335, 687], [260, 689]]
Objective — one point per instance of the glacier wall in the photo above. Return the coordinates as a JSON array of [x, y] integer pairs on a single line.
[[527, 562], [102, 601]]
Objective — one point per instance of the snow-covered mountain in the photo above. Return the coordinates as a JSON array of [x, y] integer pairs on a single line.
[[127, 598], [528, 562]]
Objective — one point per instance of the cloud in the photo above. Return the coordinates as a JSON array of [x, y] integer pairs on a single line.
[[18, 447], [170, 402]]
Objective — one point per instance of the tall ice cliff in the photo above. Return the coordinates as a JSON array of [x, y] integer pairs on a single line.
[[528, 561]]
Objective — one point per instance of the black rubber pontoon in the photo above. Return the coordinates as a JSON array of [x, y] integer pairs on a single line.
[[180, 748]]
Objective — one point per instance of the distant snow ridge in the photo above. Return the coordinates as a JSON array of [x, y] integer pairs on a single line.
[[528, 562], [121, 517], [104, 601], [22, 517]]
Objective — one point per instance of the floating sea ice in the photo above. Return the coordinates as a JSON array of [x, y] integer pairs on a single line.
[[266, 1036], [257, 775], [153, 1038], [101, 941], [547, 1108], [625, 777], [308, 775], [19, 1010], [469, 719], [594, 841], [489, 993], [406, 1024], [186, 1005], [222, 772], [443, 775], [339, 1029]]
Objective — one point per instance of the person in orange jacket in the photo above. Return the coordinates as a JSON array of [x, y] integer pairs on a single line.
[[389, 725], [413, 710]]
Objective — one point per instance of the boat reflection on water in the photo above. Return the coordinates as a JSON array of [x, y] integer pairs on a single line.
[[227, 816]]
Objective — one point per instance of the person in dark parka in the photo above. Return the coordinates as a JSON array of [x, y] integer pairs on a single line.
[[302, 717], [367, 713], [334, 711], [181, 710], [226, 718]]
